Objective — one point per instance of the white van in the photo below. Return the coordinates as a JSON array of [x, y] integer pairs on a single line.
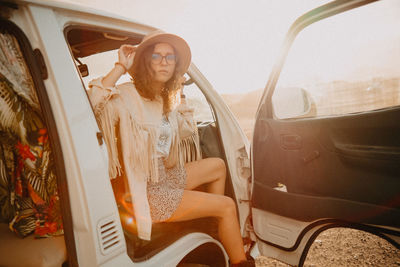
[[320, 164]]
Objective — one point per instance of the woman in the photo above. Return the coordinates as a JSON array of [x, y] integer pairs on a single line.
[[155, 138]]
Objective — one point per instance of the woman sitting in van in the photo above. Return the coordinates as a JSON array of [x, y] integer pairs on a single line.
[[155, 137]]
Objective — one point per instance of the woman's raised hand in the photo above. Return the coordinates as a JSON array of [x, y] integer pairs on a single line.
[[126, 53]]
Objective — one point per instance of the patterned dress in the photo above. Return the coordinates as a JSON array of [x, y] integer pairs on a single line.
[[165, 195], [29, 200]]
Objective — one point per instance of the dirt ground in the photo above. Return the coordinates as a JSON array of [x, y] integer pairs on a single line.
[[345, 247]]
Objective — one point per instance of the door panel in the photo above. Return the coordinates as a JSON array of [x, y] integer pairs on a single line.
[[326, 143], [337, 158]]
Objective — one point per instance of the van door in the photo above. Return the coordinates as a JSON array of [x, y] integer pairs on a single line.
[[326, 144]]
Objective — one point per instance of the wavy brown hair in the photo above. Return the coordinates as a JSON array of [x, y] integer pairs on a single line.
[[143, 75]]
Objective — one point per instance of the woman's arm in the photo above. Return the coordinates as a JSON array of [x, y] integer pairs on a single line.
[[102, 89], [126, 54]]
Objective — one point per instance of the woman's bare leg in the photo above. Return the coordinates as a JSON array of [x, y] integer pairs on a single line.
[[210, 171], [196, 204]]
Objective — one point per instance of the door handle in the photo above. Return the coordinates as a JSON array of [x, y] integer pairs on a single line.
[[291, 141]]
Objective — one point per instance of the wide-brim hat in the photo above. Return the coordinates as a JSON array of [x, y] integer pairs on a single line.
[[182, 49]]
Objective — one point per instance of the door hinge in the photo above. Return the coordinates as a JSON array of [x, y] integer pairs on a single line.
[[41, 64], [243, 163]]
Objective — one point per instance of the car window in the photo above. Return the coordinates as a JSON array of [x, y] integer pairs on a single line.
[[196, 99], [345, 64]]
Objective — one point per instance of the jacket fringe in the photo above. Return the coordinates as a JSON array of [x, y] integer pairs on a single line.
[[107, 119], [145, 146], [143, 142], [189, 148]]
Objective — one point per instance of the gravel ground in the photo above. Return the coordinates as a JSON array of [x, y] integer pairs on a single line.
[[345, 247]]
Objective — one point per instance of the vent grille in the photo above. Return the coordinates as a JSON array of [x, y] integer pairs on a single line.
[[109, 236]]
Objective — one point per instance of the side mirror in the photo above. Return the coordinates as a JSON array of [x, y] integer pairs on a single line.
[[83, 69], [293, 102]]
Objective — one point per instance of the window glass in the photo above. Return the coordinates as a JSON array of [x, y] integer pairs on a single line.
[[344, 64], [196, 99]]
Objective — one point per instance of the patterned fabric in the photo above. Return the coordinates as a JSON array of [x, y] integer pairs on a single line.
[[164, 138], [165, 195], [28, 190]]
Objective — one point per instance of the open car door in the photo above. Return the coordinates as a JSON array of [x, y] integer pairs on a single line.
[[326, 143]]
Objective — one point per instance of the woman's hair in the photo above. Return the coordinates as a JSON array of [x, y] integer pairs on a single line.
[[142, 78]]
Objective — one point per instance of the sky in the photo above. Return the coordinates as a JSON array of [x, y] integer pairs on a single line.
[[354, 46], [234, 43]]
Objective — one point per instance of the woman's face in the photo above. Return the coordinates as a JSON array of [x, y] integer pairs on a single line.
[[163, 61]]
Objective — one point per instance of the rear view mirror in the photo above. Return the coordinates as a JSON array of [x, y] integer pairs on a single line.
[[293, 102], [83, 69]]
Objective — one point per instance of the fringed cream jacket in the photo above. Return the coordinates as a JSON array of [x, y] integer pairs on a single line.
[[122, 110]]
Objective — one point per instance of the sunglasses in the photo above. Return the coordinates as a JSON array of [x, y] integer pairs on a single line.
[[157, 58]]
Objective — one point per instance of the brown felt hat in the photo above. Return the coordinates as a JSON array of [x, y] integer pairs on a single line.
[[182, 49]]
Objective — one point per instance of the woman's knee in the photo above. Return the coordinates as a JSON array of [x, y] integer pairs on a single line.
[[219, 167], [228, 207]]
